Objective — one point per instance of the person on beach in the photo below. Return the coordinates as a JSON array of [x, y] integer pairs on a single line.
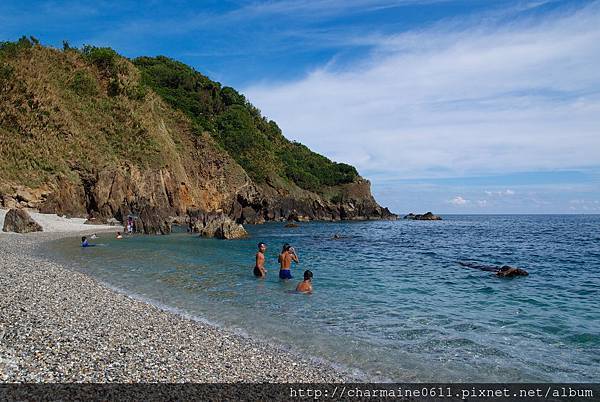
[[129, 225], [306, 285], [119, 235], [259, 266], [288, 254]]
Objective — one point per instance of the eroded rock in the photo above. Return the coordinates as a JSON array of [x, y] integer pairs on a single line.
[[19, 221], [215, 224]]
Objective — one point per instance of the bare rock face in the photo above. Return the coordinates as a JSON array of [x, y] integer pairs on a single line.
[[66, 198], [215, 224], [23, 197], [152, 220], [351, 201], [19, 221]]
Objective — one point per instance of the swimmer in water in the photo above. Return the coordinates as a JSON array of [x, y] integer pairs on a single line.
[[85, 243], [259, 266], [306, 285], [119, 235]]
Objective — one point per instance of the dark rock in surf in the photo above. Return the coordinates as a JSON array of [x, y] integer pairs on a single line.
[[505, 271], [428, 216]]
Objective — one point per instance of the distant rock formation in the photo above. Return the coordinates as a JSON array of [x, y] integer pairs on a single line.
[[19, 221], [291, 225], [215, 224], [425, 217]]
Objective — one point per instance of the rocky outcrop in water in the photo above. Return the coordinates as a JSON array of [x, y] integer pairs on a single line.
[[425, 217], [19, 221], [504, 271], [215, 224]]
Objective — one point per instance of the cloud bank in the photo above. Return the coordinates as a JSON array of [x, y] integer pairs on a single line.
[[455, 100]]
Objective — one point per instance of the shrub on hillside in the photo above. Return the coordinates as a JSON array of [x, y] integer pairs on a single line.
[[12, 49], [104, 58], [83, 84]]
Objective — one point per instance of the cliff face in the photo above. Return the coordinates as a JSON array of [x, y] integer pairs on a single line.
[[83, 140]]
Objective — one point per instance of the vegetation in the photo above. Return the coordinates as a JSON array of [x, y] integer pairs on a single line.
[[12, 49], [83, 84], [256, 143], [105, 94]]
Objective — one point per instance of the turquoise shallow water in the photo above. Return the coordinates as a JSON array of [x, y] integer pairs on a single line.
[[390, 301]]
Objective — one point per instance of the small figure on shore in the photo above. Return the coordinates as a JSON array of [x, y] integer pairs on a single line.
[[85, 242], [288, 254], [306, 285], [130, 226], [119, 235], [259, 267], [504, 271]]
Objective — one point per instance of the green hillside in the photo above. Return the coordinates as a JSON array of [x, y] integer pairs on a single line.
[[87, 132], [256, 143]]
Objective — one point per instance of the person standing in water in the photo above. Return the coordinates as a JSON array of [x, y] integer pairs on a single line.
[[259, 267], [285, 260], [306, 285]]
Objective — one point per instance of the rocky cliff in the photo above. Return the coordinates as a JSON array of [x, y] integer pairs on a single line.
[[82, 138]]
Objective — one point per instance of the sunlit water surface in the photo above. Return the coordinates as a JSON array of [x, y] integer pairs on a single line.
[[390, 301]]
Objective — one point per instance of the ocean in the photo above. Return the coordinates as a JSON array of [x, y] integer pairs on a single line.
[[391, 302]]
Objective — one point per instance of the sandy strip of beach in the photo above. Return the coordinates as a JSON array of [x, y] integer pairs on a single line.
[[60, 325]]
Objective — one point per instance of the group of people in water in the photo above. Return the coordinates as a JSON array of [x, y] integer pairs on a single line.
[[85, 242], [285, 258]]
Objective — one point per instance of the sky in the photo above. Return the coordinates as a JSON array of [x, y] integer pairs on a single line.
[[450, 106]]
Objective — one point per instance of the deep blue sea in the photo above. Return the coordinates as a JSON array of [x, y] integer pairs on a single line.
[[390, 300]]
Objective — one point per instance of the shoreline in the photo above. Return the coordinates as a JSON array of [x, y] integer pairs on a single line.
[[60, 325]]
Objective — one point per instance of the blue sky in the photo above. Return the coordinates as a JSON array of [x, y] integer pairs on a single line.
[[476, 106]]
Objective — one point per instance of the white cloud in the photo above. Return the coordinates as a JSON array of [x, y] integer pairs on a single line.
[[584, 205], [451, 101], [458, 201], [500, 193]]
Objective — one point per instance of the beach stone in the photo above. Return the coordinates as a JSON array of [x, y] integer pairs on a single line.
[[95, 221], [9, 202], [19, 221], [112, 222]]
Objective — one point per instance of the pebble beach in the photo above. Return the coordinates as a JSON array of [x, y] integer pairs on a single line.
[[59, 325]]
